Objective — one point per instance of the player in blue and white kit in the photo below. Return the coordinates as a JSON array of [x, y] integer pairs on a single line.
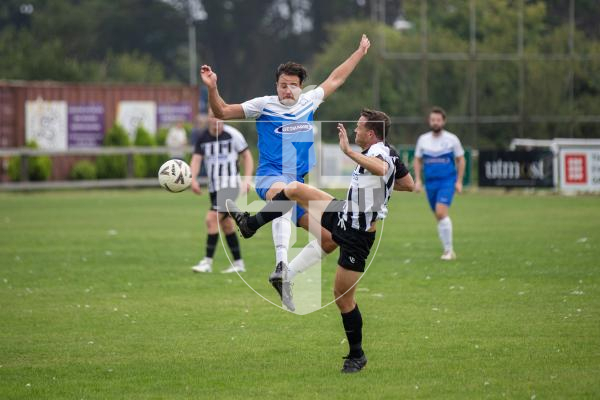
[[285, 141], [441, 156]]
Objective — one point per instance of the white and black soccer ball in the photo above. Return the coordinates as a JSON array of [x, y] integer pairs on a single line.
[[175, 175]]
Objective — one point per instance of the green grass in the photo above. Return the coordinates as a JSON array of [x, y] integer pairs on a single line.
[[97, 301]]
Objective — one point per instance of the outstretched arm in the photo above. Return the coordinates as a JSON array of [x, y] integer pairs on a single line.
[[374, 165], [339, 75], [221, 109]]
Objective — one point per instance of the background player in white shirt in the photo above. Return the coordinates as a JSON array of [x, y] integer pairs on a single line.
[[285, 141], [441, 156]]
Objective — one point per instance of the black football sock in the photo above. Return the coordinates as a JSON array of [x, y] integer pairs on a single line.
[[279, 205], [234, 246], [211, 244], [353, 327]]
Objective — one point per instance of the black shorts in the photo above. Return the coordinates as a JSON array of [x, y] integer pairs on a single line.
[[355, 245], [217, 199]]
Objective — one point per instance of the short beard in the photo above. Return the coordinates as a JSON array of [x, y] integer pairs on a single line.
[[288, 102], [436, 130]]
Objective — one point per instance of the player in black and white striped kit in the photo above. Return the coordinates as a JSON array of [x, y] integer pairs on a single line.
[[221, 147], [352, 222]]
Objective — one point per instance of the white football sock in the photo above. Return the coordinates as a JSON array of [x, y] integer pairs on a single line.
[[282, 231], [445, 233], [310, 255]]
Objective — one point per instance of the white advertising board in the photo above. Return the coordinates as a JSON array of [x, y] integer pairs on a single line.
[[46, 124], [580, 169], [132, 114]]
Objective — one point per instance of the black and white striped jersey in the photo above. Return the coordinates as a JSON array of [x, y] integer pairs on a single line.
[[220, 157], [369, 194]]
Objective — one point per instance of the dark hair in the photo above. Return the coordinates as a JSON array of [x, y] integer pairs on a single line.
[[291, 68], [378, 121], [438, 110]]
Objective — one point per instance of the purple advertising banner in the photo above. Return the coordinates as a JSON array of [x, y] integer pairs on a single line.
[[169, 114], [86, 125]]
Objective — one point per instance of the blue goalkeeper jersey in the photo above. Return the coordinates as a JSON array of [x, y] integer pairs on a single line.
[[285, 133]]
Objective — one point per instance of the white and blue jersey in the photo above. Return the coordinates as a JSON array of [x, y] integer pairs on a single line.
[[438, 153], [285, 137]]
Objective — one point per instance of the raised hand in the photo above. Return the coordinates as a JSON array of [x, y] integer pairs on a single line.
[[208, 76], [344, 144], [364, 44]]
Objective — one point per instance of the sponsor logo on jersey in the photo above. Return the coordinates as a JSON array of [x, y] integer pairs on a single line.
[[294, 127]]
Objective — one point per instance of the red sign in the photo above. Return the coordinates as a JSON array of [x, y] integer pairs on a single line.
[[575, 168]]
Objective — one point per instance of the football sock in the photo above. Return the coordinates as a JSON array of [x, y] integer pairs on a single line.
[[211, 244], [445, 233], [279, 205], [310, 255], [234, 246], [282, 231], [353, 326]]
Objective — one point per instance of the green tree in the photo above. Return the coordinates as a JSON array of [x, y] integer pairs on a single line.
[[93, 40], [399, 87]]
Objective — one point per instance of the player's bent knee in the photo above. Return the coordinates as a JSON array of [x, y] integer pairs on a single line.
[[441, 212], [228, 226], [211, 220], [292, 190], [274, 189], [344, 303]]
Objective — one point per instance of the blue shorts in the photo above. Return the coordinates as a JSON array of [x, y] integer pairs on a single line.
[[441, 191], [264, 183]]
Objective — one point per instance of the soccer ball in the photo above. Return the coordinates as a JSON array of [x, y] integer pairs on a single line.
[[175, 176]]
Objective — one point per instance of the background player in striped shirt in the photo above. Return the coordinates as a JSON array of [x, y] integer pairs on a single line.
[[352, 222], [285, 141], [441, 156], [220, 147]]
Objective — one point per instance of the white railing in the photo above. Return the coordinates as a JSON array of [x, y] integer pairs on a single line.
[[130, 181]]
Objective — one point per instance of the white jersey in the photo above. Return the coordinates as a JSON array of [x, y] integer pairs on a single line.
[[369, 194], [220, 157], [438, 153]]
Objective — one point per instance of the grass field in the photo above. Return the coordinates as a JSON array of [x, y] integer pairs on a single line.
[[97, 301]]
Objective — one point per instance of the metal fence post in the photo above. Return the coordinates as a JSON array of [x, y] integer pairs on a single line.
[[130, 165], [24, 167]]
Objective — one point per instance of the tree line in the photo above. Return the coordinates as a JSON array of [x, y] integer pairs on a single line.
[[244, 40]]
